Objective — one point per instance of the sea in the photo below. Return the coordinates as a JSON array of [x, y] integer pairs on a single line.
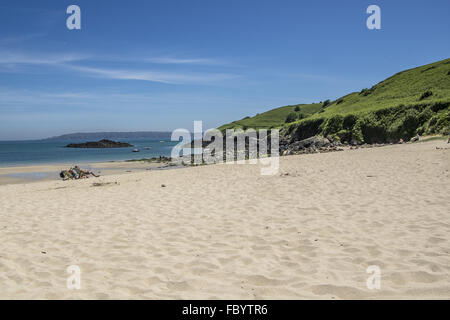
[[35, 152]]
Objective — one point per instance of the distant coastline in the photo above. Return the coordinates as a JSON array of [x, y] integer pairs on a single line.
[[156, 135]]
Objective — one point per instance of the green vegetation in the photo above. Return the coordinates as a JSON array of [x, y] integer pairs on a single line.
[[426, 94], [430, 82], [410, 102], [386, 125], [291, 117], [273, 118]]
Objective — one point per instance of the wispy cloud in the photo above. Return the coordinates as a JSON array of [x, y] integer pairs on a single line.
[[10, 62], [9, 58], [20, 38], [28, 101], [153, 76], [103, 99], [170, 60]]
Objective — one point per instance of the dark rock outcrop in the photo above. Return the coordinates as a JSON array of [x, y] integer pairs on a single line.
[[309, 145], [105, 143], [313, 142]]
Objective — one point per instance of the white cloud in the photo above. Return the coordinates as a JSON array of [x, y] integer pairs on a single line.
[[20, 38], [101, 99], [17, 62], [154, 76], [9, 58], [169, 60]]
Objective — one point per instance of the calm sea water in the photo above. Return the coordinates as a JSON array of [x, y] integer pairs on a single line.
[[17, 153]]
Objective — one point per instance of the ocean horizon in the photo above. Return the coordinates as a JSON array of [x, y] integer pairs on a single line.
[[38, 152]]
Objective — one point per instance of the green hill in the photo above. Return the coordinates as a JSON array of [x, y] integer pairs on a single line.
[[273, 118], [412, 101], [406, 87]]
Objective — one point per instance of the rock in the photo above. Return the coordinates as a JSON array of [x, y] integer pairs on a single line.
[[416, 138], [100, 144], [163, 186], [313, 142]]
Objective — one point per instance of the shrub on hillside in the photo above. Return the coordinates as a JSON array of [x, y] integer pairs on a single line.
[[372, 130], [297, 109], [437, 106], [441, 123], [344, 135], [333, 125], [423, 121], [326, 103], [365, 92], [425, 115], [428, 69], [404, 124], [433, 120], [306, 128], [410, 124], [356, 133], [349, 121], [291, 117], [426, 94]]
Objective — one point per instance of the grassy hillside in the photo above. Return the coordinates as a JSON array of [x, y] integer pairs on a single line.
[[409, 102], [273, 118], [406, 87]]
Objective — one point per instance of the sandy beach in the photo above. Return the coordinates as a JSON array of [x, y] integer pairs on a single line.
[[227, 232], [50, 172]]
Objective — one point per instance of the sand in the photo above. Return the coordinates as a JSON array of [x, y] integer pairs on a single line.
[[50, 172], [225, 231]]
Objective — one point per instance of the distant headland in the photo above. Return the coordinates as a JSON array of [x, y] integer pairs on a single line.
[[95, 136]]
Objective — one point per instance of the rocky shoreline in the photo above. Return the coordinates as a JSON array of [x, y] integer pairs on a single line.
[[319, 144], [289, 146]]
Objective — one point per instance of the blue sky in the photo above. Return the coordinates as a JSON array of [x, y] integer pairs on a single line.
[[159, 65]]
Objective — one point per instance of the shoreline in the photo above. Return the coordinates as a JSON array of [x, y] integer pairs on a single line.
[[18, 174], [50, 171]]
